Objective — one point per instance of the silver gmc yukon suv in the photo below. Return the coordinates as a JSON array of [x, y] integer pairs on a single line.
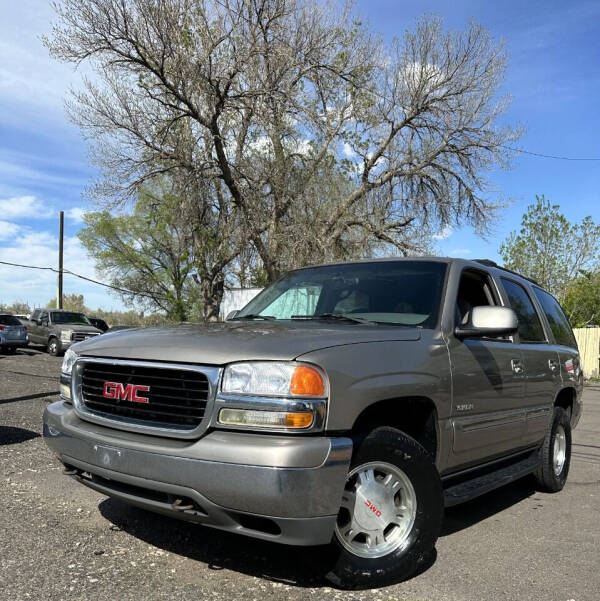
[[346, 405]]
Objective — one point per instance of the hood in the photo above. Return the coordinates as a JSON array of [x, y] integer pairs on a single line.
[[220, 343]]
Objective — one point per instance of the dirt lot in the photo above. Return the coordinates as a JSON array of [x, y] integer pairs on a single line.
[[59, 540]]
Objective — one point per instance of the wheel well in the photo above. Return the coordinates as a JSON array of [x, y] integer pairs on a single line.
[[565, 399], [415, 416]]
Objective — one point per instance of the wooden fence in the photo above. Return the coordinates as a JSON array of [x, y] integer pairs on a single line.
[[588, 340]]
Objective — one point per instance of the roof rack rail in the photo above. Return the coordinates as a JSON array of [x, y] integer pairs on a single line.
[[490, 263]]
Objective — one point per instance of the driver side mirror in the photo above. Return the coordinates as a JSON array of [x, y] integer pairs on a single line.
[[489, 322], [232, 314]]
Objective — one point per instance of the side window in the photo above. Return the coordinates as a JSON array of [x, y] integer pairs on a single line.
[[530, 326], [474, 290], [43, 316], [559, 324]]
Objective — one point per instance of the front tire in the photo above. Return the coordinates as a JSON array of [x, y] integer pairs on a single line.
[[391, 513], [555, 454], [54, 347]]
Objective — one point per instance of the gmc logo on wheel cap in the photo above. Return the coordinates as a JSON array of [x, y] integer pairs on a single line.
[[116, 390]]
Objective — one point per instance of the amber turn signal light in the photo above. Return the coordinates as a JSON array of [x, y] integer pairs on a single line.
[[307, 381]]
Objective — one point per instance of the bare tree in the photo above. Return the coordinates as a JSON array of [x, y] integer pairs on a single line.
[[278, 95]]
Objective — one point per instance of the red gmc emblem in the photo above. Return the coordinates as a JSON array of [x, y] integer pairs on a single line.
[[116, 390]]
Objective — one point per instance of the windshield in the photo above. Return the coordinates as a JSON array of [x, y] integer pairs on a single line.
[[73, 318], [404, 293]]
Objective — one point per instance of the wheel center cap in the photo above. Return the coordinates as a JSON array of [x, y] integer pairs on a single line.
[[374, 506]]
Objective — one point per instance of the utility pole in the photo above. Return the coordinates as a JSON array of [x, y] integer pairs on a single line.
[[61, 228]]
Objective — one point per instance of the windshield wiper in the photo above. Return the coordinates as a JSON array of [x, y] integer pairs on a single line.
[[338, 316], [253, 316]]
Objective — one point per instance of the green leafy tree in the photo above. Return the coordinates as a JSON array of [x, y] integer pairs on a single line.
[[148, 253], [582, 300], [550, 249], [17, 308], [71, 302]]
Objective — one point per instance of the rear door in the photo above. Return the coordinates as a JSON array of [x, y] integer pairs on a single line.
[[541, 361], [487, 382], [564, 339]]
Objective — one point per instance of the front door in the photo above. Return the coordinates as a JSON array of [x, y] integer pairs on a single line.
[[488, 383], [35, 330]]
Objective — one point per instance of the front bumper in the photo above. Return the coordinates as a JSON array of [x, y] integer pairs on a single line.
[[282, 488]]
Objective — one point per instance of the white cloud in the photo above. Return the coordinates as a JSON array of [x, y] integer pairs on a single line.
[[37, 287], [444, 233], [29, 77], [24, 206], [348, 151], [461, 252], [76, 214], [8, 230]]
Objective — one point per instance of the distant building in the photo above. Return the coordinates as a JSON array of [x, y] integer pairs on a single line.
[[235, 299]]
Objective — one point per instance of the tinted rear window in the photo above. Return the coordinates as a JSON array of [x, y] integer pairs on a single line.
[[559, 324], [530, 326], [9, 320]]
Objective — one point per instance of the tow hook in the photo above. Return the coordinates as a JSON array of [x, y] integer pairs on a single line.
[[178, 505]]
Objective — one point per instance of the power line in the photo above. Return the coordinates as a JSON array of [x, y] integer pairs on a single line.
[[550, 156], [82, 277]]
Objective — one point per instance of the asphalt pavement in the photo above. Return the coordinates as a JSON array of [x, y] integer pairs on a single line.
[[60, 540]]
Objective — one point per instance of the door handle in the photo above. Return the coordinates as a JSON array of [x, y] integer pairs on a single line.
[[517, 366], [553, 364]]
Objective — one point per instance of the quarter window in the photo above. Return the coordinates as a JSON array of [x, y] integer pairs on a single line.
[[559, 324], [530, 326]]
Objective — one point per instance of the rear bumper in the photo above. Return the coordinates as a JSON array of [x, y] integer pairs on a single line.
[[13, 343], [285, 489]]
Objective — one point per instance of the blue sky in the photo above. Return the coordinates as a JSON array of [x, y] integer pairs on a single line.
[[553, 76]]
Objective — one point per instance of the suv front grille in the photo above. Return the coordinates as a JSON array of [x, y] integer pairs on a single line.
[[79, 336], [175, 397]]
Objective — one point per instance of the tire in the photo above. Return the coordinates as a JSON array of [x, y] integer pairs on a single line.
[[10, 350], [555, 454], [54, 347], [399, 549]]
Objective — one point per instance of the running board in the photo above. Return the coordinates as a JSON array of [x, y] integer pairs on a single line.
[[465, 491]]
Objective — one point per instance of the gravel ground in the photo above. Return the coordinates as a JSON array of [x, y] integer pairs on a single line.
[[60, 540]]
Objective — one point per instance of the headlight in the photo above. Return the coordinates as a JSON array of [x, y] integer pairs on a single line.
[[65, 335], [273, 379], [68, 360]]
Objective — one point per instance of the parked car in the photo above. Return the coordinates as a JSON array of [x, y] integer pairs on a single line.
[[58, 329], [346, 405], [99, 323], [12, 333]]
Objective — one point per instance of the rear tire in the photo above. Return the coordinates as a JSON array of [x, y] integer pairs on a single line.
[[555, 454], [391, 512], [54, 347]]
